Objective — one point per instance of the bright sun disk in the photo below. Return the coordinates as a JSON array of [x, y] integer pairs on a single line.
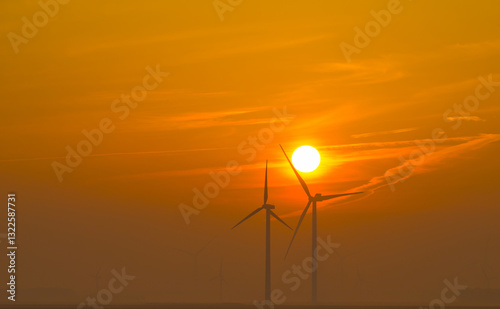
[[306, 159]]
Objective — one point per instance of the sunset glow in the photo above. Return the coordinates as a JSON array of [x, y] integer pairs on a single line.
[[136, 134]]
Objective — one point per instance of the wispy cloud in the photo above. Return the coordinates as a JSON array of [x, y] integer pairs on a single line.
[[361, 72], [466, 118], [383, 132], [133, 153], [356, 152], [393, 144], [199, 120], [437, 160], [430, 164]]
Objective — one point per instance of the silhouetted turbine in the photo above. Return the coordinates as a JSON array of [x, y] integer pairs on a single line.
[[342, 258], [97, 277], [312, 199], [195, 255], [221, 279], [269, 213], [487, 278], [361, 284]]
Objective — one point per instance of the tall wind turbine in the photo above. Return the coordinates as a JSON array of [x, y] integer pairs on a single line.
[[269, 213], [312, 200]]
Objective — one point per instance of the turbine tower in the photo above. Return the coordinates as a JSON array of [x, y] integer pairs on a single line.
[[484, 264], [269, 213], [97, 278], [312, 200], [221, 280]]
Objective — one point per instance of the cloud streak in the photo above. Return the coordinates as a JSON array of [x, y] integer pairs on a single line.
[[119, 154], [429, 164], [383, 132]]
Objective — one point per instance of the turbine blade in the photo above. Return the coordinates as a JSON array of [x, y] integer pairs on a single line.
[[251, 214], [265, 187], [328, 197], [302, 182], [298, 225], [279, 219], [184, 251], [205, 245]]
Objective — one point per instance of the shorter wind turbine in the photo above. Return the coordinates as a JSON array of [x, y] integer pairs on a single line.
[[195, 255], [364, 289], [97, 278], [220, 276], [482, 264], [487, 278], [342, 259], [312, 199], [269, 213]]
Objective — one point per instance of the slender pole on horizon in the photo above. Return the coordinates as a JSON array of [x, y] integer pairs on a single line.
[[268, 256], [97, 278], [220, 290], [314, 254]]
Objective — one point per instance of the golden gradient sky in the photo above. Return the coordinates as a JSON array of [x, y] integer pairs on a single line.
[[119, 207]]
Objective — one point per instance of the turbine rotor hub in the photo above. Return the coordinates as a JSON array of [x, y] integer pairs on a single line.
[[316, 198], [268, 206]]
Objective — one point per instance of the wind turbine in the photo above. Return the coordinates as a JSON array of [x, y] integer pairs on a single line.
[[221, 280], [359, 279], [97, 277], [312, 200], [487, 278], [364, 289], [342, 259], [195, 255], [269, 213], [484, 263]]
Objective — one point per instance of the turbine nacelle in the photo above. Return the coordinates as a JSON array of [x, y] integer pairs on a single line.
[[268, 206], [315, 198]]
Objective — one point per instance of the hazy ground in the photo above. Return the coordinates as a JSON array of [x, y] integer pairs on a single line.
[[231, 306]]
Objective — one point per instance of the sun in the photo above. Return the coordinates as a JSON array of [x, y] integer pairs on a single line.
[[306, 159]]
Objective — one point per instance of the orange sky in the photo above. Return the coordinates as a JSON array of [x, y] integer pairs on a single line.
[[424, 75]]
